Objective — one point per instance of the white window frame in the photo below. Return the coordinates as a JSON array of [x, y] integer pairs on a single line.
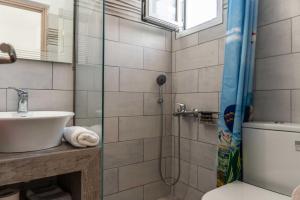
[[175, 26]]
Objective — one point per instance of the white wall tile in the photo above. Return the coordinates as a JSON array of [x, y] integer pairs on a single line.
[[111, 129], [123, 153], [132, 194], [276, 10], [278, 72], [295, 106], [296, 34], [26, 74], [157, 60], [124, 55], [111, 28], [139, 127], [185, 82], [63, 76], [111, 79], [110, 178], [274, 39], [184, 42], [142, 35], [199, 56], [210, 79], [138, 174], [123, 104], [272, 105]]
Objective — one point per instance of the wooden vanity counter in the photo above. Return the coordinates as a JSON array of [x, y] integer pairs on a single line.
[[77, 169]]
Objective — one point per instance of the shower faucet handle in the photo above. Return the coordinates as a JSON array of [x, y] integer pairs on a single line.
[[181, 107]]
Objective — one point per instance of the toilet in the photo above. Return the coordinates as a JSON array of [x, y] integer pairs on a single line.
[[271, 164]]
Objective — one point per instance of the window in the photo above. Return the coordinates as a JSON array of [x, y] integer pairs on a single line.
[[24, 17], [183, 16]]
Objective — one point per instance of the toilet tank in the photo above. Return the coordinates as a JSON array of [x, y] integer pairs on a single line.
[[271, 156]]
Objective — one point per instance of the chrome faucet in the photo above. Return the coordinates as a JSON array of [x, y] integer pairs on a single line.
[[22, 99]]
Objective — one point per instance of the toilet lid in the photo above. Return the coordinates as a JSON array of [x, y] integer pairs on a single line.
[[242, 191]]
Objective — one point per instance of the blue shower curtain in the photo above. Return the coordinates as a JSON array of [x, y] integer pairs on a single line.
[[236, 98]]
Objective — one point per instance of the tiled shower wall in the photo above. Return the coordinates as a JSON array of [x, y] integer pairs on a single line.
[[197, 73], [135, 54], [50, 85], [277, 96]]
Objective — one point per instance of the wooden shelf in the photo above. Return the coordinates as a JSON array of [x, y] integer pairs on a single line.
[[63, 161]]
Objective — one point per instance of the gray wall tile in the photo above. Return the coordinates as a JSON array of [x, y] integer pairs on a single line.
[[111, 129], [210, 79], [123, 153], [138, 174], [196, 57], [295, 106], [185, 42], [112, 28], [142, 35], [296, 34], [151, 106], [63, 76], [139, 127], [202, 101], [111, 79], [110, 178], [49, 100], [207, 179], [26, 74], [278, 72], [157, 60], [123, 104], [2, 100], [152, 147], [124, 55], [154, 191], [134, 80], [272, 105], [185, 82], [274, 39], [132, 194], [207, 133], [276, 10]]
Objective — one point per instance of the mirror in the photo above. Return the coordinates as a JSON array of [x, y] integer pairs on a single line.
[[38, 29]]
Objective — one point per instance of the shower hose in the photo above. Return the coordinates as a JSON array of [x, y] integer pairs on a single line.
[[164, 179]]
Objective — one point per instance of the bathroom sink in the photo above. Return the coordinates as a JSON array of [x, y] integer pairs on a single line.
[[32, 131]]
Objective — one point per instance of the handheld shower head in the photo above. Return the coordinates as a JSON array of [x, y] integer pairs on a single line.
[[161, 79]]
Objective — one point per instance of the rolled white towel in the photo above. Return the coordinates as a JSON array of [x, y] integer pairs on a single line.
[[296, 193], [81, 137]]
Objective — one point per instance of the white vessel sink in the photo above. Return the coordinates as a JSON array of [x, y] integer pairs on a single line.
[[32, 131]]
